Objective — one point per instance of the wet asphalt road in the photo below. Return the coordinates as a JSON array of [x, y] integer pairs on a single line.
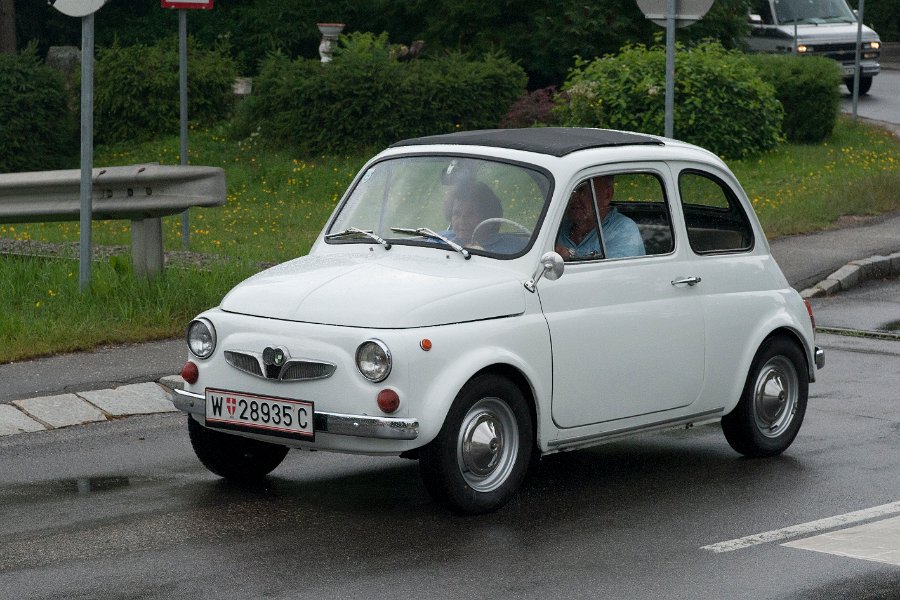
[[123, 510]]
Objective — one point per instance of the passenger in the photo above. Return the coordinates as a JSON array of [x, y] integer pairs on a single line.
[[578, 233]]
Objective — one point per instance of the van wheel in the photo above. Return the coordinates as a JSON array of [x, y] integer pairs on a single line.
[[234, 457], [865, 83], [773, 403], [481, 455]]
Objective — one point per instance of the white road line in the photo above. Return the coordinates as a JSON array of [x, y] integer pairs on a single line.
[[805, 528]]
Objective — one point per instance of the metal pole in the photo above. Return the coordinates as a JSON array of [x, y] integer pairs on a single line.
[[183, 93], [670, 68], [87, 149], [795, 52], [859, 21]]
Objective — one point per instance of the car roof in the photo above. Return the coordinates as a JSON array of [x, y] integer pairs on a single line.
[[554, 141]]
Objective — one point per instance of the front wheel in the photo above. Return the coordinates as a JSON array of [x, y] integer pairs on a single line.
[[865, 84], [234, 457], [479, 458], [773, 403]]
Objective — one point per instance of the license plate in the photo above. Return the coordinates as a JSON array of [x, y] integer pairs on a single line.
[[849, 71], [261, 414]]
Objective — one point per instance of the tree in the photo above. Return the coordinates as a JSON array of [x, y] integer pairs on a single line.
[[7, 27]]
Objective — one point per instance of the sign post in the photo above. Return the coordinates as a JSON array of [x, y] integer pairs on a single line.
[[671, 14], [183, 6], [85, 9], [856, 69]]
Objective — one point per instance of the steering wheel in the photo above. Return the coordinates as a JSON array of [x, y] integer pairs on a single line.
[[518, 226]]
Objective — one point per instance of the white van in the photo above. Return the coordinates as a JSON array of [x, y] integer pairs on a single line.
[[817, 28]]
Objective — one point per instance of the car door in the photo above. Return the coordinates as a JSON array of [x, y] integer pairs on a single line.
[[627, 333]]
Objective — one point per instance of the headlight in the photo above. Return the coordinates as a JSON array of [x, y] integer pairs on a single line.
[[801, 49], [201, 338], [873, 45], [373, 360]]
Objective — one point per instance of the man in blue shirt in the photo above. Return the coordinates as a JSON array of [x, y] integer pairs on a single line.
[[578, 237]]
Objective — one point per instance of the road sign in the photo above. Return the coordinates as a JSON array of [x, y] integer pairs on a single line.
[[78, 8], [687, 12], [188, 4]]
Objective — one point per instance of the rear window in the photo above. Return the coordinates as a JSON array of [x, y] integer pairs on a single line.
[[715, 220]]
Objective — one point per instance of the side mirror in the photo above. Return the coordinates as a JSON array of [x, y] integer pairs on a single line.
[[552, 267], [756, 20]]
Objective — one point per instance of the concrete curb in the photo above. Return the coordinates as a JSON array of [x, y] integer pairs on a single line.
[[66, 410], [854, 273]]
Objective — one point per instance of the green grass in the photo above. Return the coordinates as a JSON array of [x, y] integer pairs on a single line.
[[278, 203]]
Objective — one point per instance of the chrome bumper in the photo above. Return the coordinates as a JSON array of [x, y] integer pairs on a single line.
[[334, 423], [820, 357]]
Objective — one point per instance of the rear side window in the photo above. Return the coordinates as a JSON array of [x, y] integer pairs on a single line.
[[715, 220]]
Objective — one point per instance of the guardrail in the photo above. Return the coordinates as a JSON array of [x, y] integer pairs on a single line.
[[141, 193]]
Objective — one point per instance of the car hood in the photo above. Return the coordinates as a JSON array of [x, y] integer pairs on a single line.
[[829, 33], [387, 292]]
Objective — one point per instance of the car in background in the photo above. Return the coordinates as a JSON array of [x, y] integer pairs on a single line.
[[438, 318], [821, 28]]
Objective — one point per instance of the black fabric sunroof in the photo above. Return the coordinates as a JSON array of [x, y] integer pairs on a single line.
[[555, 141]]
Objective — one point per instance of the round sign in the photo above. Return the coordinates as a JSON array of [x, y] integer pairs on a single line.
[[78, 8], [687, 12]]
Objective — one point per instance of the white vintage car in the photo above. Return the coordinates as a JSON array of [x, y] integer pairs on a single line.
[[464, 306]]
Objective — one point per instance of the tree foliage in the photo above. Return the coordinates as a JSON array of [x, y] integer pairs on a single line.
[[37, 127]]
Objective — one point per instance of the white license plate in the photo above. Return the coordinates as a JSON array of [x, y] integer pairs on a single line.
[[849, 71], [261, 414]]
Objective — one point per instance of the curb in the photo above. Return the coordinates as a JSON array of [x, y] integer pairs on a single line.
[[66, 410], [854, 273]]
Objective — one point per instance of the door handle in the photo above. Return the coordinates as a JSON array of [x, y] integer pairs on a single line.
[[686, 280]]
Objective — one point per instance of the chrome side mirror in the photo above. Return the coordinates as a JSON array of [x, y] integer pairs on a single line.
[[552, 267]]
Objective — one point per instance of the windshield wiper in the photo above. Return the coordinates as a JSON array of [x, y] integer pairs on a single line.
[[355, 231], [425, 232]]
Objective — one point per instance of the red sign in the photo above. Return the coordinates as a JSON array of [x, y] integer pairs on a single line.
[[192, 4]]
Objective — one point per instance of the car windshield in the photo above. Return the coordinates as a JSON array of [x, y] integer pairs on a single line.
[[813, 11], [469, 205]]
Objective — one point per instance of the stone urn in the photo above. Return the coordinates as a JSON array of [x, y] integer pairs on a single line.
[[330, 33]]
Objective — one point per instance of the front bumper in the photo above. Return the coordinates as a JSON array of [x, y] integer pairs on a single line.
[[386, 428]]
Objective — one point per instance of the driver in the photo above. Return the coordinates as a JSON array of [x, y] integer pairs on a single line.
[[468, 205]]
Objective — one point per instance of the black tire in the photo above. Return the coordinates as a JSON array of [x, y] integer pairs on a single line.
[[773, 402], [233, 457], [865, 84], [476, 476]]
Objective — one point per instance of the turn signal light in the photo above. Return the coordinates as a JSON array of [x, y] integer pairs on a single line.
[[388, 401], [189, 372]]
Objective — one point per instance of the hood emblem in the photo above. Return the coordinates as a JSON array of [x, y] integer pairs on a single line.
[[274, 357]]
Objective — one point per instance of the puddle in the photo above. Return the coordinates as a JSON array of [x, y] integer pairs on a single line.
[[77, 486]]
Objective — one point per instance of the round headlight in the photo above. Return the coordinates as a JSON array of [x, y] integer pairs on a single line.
[[201, 338], [373, 360]]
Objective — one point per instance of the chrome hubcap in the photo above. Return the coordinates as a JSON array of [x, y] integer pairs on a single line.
[[775, 396], [486, 448]]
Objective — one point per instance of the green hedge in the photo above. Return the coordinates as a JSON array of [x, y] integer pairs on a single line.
[[365, 97], [807, 88], [136, 93], [38, 130], [721, 103]]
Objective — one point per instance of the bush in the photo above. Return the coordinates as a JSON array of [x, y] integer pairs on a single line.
[[807, 88], [533, 109], [38, 129], [366, 98], [136, 93], [721, 103]]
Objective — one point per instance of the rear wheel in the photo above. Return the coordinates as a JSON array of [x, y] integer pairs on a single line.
[[234, 457], [479, 458], [865, 83], [773, 403]]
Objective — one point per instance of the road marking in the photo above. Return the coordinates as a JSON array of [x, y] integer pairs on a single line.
[[878, 542], [805, 528]]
